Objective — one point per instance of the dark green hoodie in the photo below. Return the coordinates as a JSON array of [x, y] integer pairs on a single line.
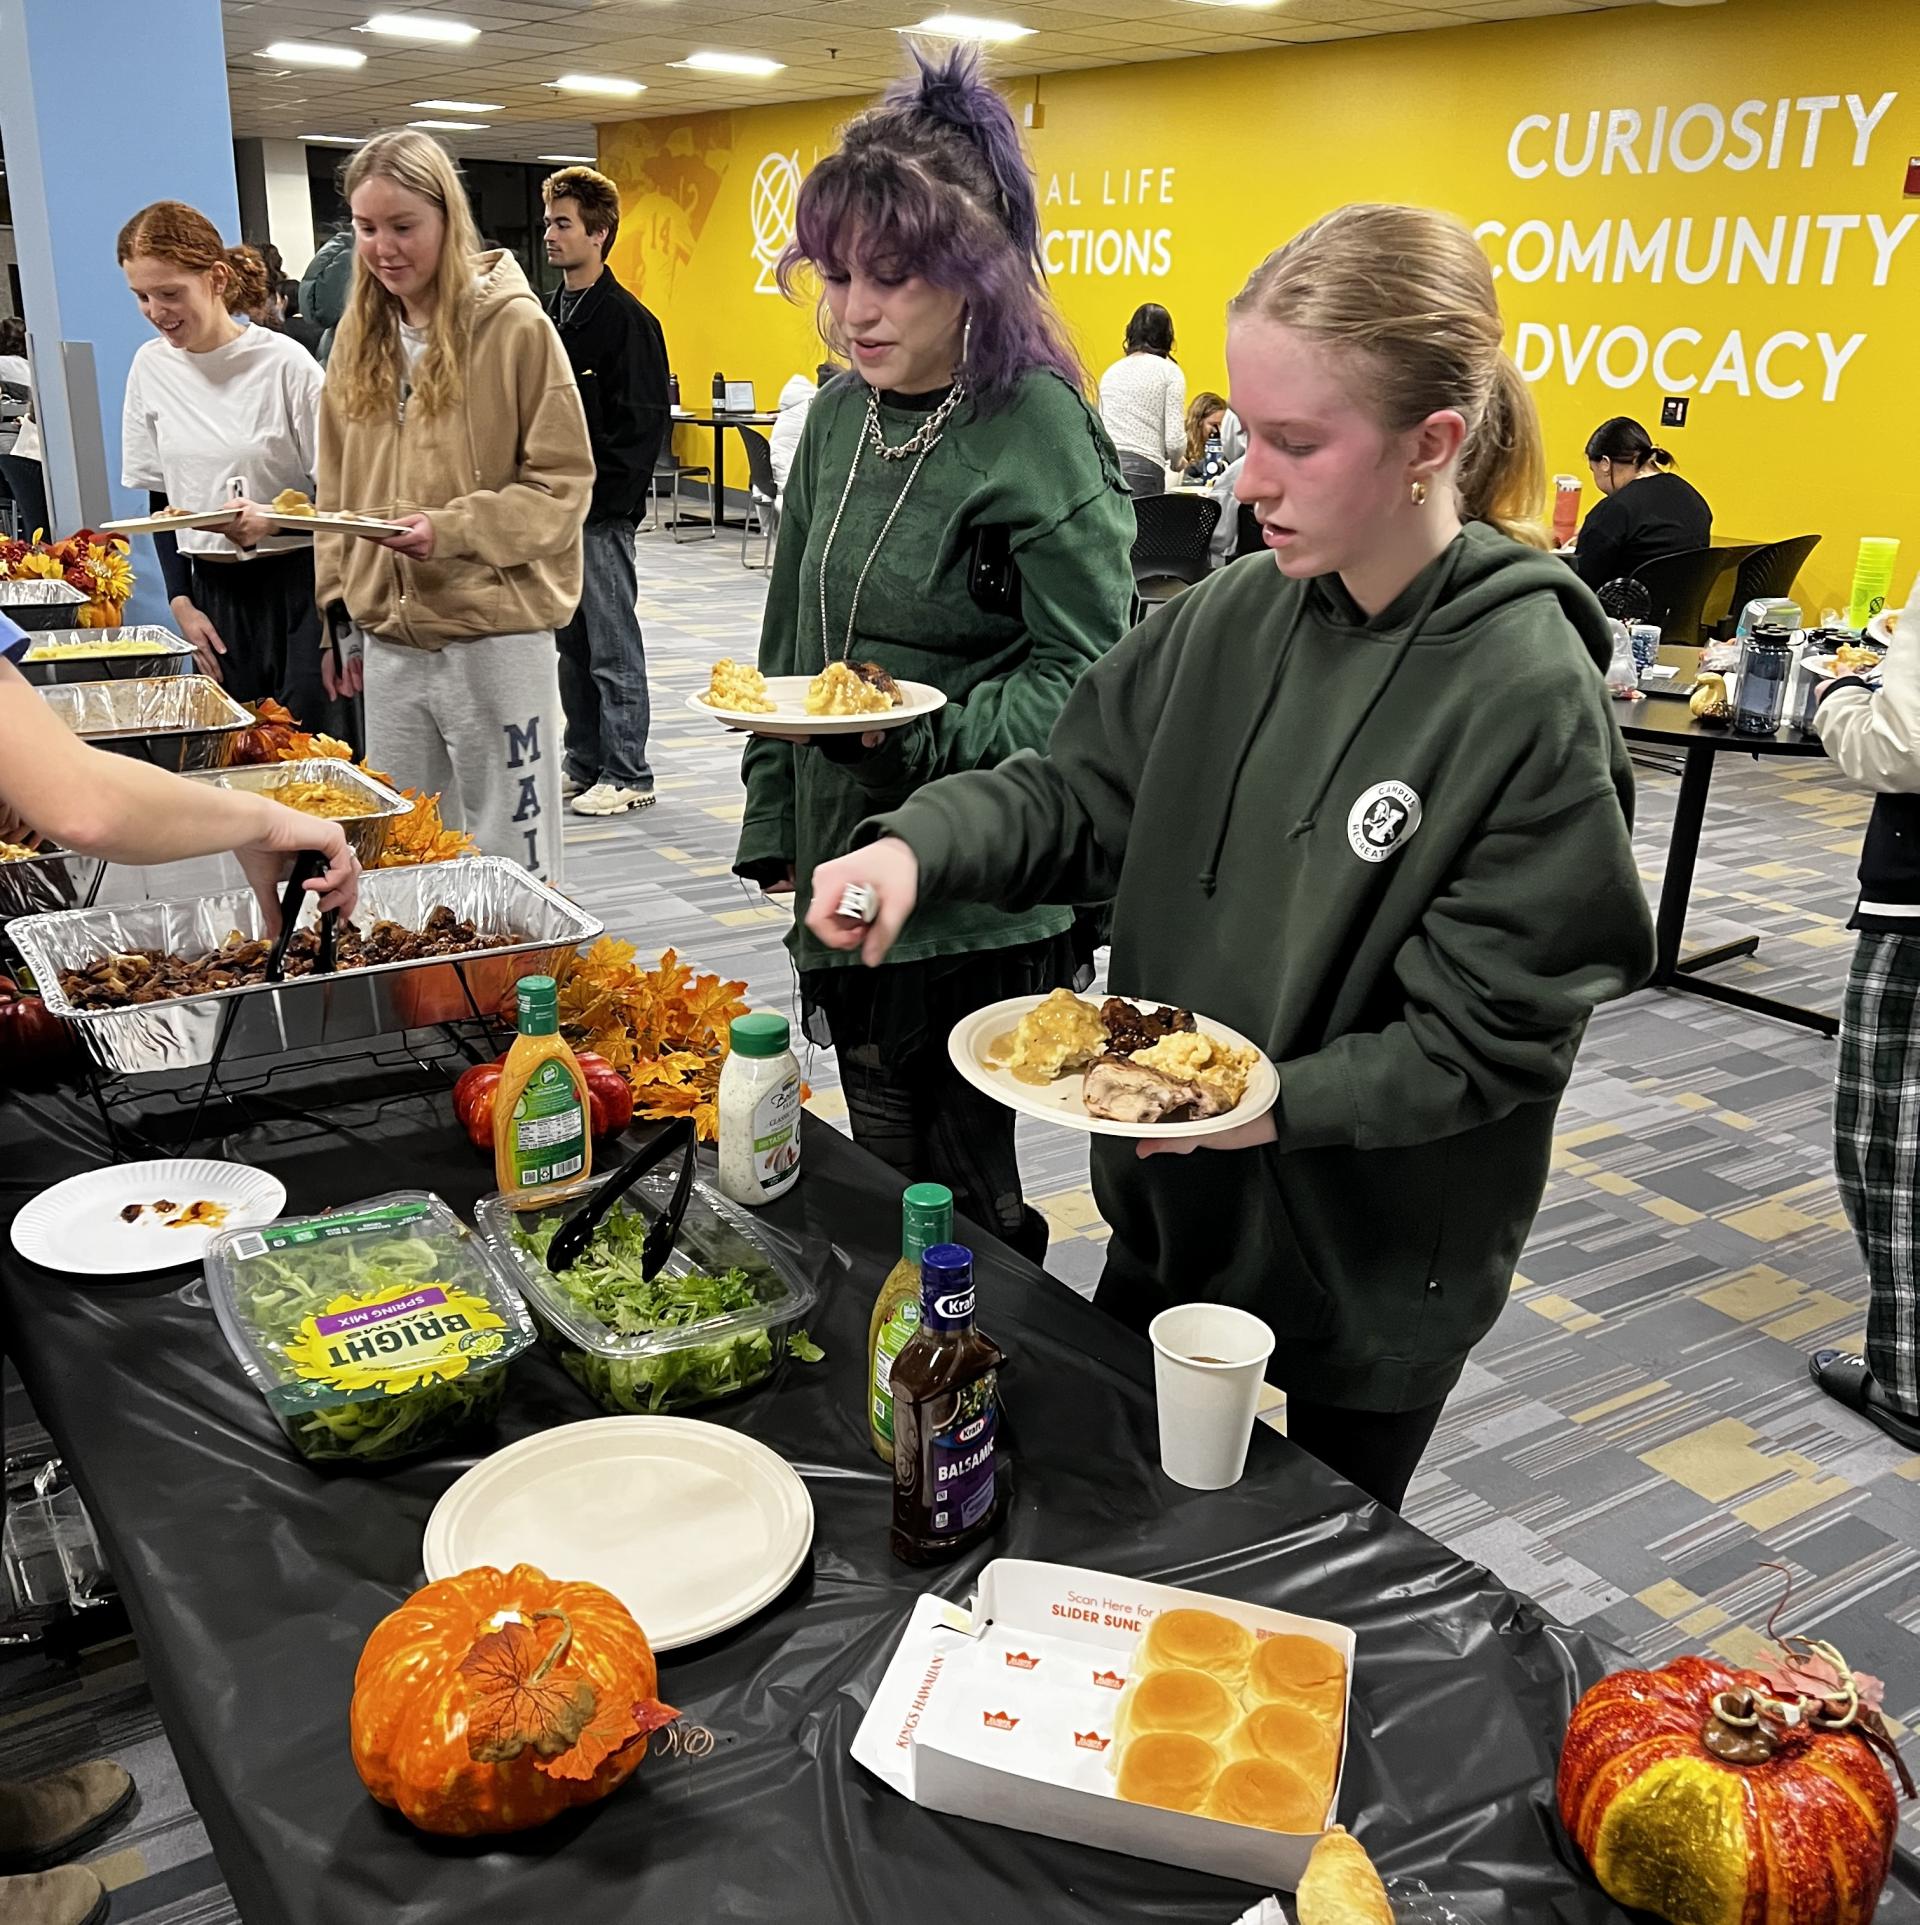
[[1396, 853]]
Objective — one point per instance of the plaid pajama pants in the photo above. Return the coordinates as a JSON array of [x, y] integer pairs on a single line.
[[1877, 1151]]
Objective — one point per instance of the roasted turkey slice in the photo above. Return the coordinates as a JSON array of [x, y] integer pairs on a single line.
[[1126, 1092]]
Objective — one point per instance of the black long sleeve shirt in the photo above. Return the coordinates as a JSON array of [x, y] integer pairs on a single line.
[[619, 358], [1656, 515]]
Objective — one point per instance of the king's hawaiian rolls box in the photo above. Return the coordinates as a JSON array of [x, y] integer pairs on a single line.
[[1006, 1712]]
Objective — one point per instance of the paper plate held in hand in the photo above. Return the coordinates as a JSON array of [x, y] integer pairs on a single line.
[[789, 717], [130, 1218], [977, 1047], [691, 1526]]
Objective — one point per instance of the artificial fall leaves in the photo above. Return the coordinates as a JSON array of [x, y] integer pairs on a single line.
[[516, 1700], [664, 1029], [411, 839]]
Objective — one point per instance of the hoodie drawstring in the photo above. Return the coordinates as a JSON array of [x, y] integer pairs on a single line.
[[1442, 581]]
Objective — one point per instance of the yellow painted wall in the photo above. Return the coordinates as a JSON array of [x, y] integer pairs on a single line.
[[1197, 167]]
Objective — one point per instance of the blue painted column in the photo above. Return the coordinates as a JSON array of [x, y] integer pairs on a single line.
[[103, 107]]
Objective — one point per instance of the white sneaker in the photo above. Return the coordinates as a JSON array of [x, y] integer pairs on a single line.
[[570, 786], [605, 799]]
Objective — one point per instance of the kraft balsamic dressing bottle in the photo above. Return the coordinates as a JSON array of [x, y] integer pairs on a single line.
[[947, 1445]]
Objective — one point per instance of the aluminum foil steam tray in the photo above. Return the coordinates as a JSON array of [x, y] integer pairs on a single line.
[[367, 830], [498, 896], [78, 656], [40, 604], [47, 881], [177, 722]]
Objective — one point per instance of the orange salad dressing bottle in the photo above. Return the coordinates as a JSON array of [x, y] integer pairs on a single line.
[[542, 1135]]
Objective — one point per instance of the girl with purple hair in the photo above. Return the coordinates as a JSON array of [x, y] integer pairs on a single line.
[[956, 514]]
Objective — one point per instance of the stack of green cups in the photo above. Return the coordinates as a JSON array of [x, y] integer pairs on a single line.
[[1872, 579]]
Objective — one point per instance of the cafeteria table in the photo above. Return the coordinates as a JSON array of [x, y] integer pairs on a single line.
[[720, 421], [253, 1580], [1666, 722]]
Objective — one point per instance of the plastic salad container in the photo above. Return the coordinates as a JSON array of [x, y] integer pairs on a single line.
[[715, 1321], [375, 1331]]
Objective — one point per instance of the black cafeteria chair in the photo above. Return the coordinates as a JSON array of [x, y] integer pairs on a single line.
[[1678, 587], [763, 496], [669, 471], [1767, 572], [1171, 541]]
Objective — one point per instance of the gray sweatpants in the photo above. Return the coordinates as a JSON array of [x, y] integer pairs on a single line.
[[478, 724]]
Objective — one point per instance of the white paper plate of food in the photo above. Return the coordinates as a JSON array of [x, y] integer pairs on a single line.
[[128, 1218], [692, 1526], [845, 698], [1854, 658], [1121, 1067], [1881, 628], [168, 522]]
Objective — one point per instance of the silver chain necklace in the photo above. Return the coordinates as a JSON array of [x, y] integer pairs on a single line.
[[919, 445]]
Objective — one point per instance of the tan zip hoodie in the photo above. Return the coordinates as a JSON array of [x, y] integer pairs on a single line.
[[505, 478]]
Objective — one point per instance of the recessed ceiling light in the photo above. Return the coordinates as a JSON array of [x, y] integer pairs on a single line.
[[306, 53], [422, 26], [332, 140], [572, 160], [967, 26], [598, 84], [1244, 5], [450, 126], [731, 63], [459, 106]]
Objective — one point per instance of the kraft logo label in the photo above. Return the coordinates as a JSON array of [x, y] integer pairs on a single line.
[[1091, 1741], [1022, 1662], [771, 203], [998, 1721], [1383, 818]]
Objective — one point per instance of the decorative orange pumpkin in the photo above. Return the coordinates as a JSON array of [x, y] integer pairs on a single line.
[[1697, 1795], [493, 1702]]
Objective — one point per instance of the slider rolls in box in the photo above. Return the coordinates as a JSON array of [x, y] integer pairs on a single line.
[[1009, 1714]]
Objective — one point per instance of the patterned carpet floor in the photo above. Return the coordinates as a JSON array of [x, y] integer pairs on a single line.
[[1636, 1445]]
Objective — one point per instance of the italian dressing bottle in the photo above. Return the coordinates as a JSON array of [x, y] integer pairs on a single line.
[[759, 1110], [542, 1135], [926, 1218]]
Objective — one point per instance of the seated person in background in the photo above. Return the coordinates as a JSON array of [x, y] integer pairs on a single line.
[[1874, 740], [1201, 458], [1645, 510], [1224, 542], [1143, 400], [13, 353], [795, 399]]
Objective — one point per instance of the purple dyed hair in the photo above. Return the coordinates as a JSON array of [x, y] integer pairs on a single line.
[[934, 182]]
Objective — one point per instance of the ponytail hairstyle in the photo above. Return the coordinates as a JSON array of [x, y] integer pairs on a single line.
[[934, 182], [1405, 295], [1622, 439], [363, 371], [173, 231]]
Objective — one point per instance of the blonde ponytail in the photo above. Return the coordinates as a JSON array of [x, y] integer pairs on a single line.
[[1407, 291]]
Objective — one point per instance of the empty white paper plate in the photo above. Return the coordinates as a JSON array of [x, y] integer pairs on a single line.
[[81, 1226], [691, 1526]]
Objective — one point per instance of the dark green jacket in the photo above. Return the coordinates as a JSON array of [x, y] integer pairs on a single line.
[[1394, 852], [1042, 473]]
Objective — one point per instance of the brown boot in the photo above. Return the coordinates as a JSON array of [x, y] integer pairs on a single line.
[[45, 1820], [69, 1896]]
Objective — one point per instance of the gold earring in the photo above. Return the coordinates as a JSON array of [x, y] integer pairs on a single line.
[[1419, 492]]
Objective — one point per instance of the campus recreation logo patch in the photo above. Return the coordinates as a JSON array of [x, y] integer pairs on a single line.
[[1384, 817]]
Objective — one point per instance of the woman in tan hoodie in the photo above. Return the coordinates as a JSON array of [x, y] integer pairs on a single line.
[[450, 408]]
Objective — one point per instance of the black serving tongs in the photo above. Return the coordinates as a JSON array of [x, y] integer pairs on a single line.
[[571, 1239]]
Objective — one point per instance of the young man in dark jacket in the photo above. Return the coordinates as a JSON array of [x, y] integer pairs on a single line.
[[620, 361]]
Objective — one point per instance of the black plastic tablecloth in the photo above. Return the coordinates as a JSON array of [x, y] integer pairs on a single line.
[[253, 1581]]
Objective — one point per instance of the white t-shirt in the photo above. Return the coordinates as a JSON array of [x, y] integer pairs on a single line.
[[1143, 401], [15, 371], [193, 421]]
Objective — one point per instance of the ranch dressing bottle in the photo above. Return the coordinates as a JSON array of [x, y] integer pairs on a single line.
[[759, 1110]]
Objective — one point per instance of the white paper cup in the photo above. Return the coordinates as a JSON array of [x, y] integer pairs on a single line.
[[1208, 1363]]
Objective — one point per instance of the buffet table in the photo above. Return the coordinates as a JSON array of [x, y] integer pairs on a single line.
[[253, 1581]]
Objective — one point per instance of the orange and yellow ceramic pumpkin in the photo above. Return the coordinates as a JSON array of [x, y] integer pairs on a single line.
[[1705, 1822], [492, 1702]]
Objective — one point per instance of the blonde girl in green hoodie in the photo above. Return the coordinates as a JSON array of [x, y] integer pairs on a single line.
[[1365, 802]]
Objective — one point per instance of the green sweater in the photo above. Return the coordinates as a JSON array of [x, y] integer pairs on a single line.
[[1043, 470], [1396, 853]]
